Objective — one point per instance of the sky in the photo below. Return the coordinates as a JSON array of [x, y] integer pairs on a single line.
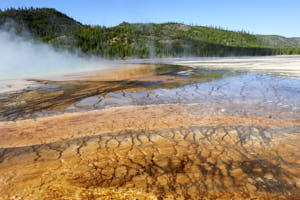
[[276, 17]]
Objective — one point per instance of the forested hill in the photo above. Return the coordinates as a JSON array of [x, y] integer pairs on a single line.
[[142, 39]]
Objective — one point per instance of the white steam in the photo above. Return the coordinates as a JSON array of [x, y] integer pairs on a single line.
[[23, 58]]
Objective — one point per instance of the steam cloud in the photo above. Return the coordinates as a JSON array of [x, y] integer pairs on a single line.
[[23, 58]]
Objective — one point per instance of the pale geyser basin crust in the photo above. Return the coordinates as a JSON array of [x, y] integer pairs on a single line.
[[150, 152], [278, 65]]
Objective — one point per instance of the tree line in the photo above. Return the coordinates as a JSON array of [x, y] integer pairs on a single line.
[[142, 40]]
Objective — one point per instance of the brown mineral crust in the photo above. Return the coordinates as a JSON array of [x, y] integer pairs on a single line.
[[130, 72], [152, 117], [167, 151], [193, 162]]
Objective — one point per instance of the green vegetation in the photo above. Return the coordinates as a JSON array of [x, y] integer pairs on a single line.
[[170, 39], [46, 24], [279, 41], [144, 40]]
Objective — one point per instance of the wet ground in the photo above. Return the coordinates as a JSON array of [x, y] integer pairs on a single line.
[[152, 131], [154, 84]]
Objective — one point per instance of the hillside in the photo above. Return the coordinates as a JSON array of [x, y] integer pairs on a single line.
[[171, 39], [280, 41], [143, 39], [45, 24]]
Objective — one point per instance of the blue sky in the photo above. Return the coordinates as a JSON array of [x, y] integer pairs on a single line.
[[280, 17]]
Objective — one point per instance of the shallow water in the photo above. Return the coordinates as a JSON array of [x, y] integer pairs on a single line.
[[163, 84]]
